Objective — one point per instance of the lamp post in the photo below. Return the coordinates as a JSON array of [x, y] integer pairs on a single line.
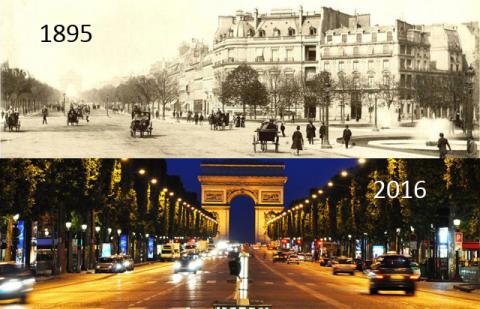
[[119, 233], [456, 223], [68, 225], [15, 237], [398, 239], [469, 83], [326, 144], [350, 245], [97, 240], [83, 234]]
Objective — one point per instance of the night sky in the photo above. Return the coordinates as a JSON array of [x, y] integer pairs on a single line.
[[302, 174]]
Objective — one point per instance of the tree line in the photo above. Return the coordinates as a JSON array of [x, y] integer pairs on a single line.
[[25, 93], [348, 206], [135, 196]]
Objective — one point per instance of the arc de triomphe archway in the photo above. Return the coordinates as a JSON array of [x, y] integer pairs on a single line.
[[222, 181]]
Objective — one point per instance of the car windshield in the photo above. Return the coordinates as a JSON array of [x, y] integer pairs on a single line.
[[105, 260], [293, 256], [394, 261]]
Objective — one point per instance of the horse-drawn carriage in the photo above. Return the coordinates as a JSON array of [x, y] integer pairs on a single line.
[[12, 121], [141, 123], [72, 117], [267, 133]]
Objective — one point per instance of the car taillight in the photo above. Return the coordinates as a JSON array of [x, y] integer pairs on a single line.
[[379, 277], [414, 277]]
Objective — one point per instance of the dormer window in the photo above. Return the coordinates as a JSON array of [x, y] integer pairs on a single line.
[[276, 32], [230, 33], [261, 33], [291, 32], [313, 31], [251, 33]]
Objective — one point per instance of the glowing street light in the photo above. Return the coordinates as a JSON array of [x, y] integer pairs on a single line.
[[153, 181], [344, 173], [16, 217], [97, 229], [141, 171], [68, 225], [456, 222], [362, 161], [320, 191], [119, 231], [84, 227], [330, 184]]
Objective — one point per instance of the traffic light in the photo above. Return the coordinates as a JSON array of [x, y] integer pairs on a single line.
[[234, 266]]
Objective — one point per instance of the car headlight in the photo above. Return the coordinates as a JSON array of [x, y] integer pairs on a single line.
[[177, 265], [126, 263], [192, 265], [11, 286], [118, 266]]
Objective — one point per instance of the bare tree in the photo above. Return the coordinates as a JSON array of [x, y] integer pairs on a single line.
[[167, 89], [273, 80]]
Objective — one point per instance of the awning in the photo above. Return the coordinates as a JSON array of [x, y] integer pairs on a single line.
[[471, 245]]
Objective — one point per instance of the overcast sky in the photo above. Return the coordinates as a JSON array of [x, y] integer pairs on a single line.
[[129, 36]]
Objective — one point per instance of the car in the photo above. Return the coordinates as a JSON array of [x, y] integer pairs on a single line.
[[358, 264], [416, 269], [293, 259], [110, 264], [308, 257], [279, 258], [15, 282], [324, 261], [392, 272], [343, 264], [127, 261], [301, 256], [188, 263]]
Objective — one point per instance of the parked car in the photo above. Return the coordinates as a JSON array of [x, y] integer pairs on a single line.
[[392, 272], [358, 264], [188, 263], [111, 264], [15, 282], [293, 259], [343, 264]]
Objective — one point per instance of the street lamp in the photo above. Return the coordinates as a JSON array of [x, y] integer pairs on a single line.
[[84, 228], [398, 239], [469, 81], [68, 225], [362, 161], [119, 232], [141, 171], [330, 184], [456, 223], [326, 144], [344, 173], [153, 181], [97, 237], [15, 236]]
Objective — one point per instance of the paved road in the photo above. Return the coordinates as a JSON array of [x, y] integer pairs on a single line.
[[284, 286], [110, 137]]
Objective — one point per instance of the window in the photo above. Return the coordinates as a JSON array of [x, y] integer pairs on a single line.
[[313, 31], [359, 38], [418, 65], [402, 63], [251, 33], [402, 49], [425, 65], [371, 65], [340, 66], [275, 54], [290, 54], [329, 38], [374, 36], [259, 55], [355, 66], [386, 64], [356, 50], [389, 36], [291, 32], [344, 38], [386, 49], [276, 32], [261, 33], [326, 66], [370, 82], [409, 64], [409, 50], [326, 52], [230, 33]]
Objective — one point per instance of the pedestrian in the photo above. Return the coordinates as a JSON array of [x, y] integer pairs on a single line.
[[347, 135], [297, 140], [44, 114], [472, 151], [282, 128], [201, 119], [195, 118], [323, 132], [442, 145], [310, 132]]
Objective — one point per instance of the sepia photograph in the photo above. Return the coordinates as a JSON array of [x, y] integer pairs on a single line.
[[240, 79]]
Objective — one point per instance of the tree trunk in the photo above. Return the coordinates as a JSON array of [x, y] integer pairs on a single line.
[[163, 110], [28, 241], [9, 238]]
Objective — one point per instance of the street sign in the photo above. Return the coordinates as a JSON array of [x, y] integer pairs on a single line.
[[458, 240]]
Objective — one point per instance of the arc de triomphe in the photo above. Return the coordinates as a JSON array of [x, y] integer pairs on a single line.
[[263, 182]]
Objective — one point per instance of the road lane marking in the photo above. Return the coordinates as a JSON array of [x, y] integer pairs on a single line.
[[268, 282], [310, 283], [322, 297], [151, 282], [211, 281]]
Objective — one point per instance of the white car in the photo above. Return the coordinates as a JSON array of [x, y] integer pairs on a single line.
[[293, 259], [343, 265]]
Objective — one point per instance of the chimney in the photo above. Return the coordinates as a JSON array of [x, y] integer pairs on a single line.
[[255, 17]]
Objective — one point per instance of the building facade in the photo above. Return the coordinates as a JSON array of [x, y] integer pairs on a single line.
[[301, 44]]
